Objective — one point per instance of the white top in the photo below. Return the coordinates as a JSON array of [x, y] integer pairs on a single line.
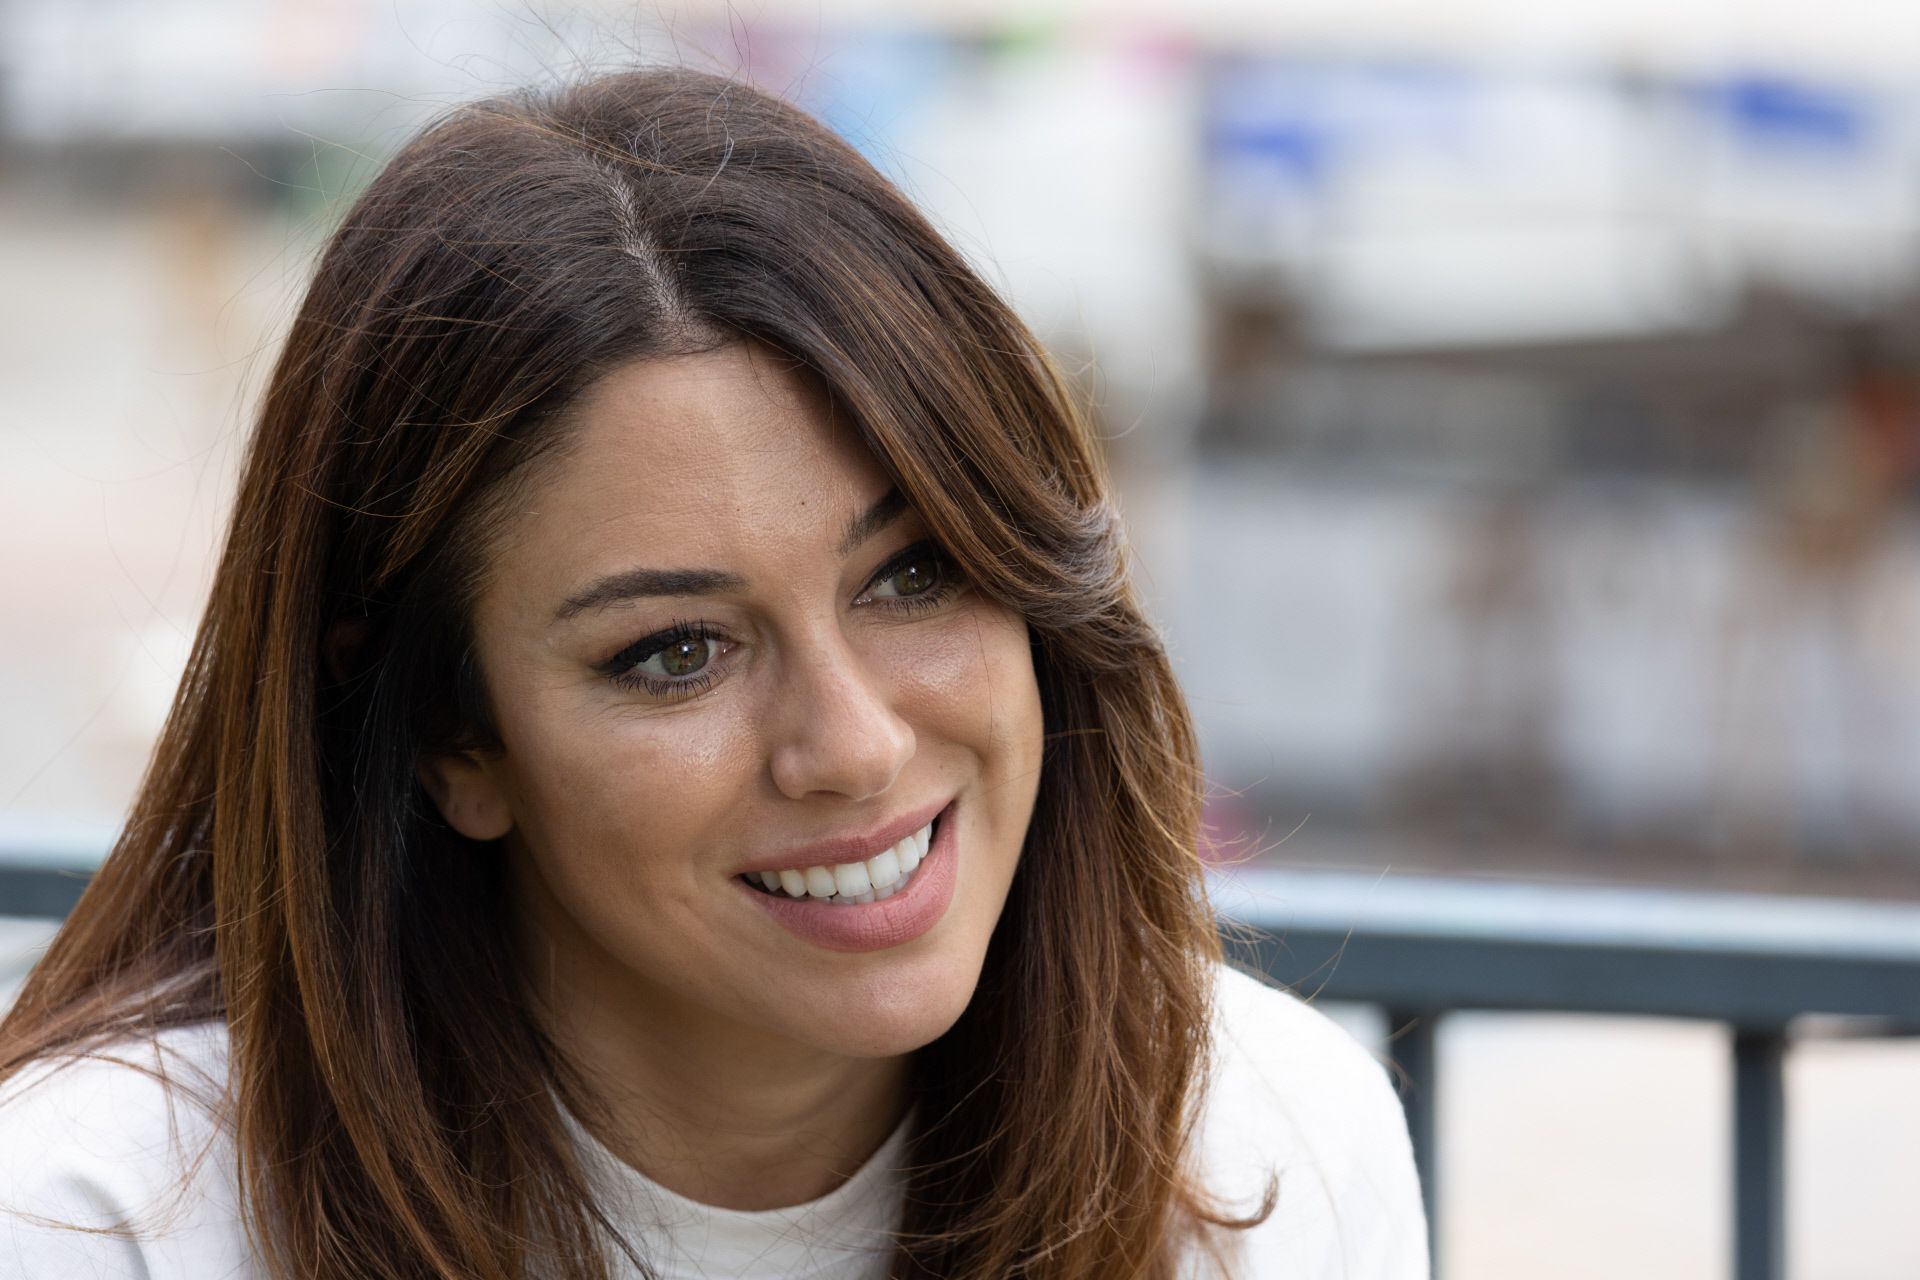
[[99, 1144]]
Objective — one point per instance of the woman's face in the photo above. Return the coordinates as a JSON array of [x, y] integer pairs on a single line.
[[714, 639]]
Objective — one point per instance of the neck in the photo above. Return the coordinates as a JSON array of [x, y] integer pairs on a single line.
[[718, 1111]]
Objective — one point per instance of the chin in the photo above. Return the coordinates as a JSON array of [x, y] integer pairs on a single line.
[[892, 1018]]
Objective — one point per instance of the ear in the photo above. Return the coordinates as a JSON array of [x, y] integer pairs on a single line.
[[341, 646], [469, 795]]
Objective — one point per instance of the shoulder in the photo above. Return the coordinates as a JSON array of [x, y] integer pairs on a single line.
[[1294, 1096], [118, 1162]]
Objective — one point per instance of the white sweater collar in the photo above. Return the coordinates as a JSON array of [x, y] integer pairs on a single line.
[[843, 1235]]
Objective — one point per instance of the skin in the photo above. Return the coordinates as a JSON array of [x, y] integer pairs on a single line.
[[743, 1067]]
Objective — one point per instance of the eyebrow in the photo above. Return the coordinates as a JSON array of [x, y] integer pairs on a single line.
[[871, 521], [634, 584]]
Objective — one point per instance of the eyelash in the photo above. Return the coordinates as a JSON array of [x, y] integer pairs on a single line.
[[619, 668], [937, 594]]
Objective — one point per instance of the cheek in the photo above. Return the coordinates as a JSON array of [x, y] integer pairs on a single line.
[[639, 790], [973, 683]]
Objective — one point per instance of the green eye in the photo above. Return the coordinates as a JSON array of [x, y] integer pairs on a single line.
[[684, 656], [680, 662], [916, 577], [669, 660], [918, 572]]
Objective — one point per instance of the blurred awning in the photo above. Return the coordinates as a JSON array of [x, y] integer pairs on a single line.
[[1846, 37]]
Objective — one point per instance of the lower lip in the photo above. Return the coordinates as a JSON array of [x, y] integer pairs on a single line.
[[875, 926]]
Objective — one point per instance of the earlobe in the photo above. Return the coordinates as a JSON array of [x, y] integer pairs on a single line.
[[340, 648], [468, 796]]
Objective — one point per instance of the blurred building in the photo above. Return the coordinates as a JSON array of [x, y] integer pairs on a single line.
[[1516, 408], [1518, 413]]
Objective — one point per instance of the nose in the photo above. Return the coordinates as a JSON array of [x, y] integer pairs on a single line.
[[838, 731]]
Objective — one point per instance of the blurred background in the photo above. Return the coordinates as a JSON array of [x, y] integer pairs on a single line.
[[1516, 409]]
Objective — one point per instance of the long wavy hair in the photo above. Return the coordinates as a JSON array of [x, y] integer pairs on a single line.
[[393, 1099]]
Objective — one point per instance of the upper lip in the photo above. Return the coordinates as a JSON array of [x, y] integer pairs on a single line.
[[856, 848]]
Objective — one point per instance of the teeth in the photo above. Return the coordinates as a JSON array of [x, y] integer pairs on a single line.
[[849, 883], [853, 879]]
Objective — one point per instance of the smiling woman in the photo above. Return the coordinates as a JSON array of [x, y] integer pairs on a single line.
[[672, 780], [813, 685]]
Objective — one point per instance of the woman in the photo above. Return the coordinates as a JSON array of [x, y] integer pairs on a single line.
[[672, 780]]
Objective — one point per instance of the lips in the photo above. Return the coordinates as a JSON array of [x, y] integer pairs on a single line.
[[846, 849], [872, 926], [874, 880]]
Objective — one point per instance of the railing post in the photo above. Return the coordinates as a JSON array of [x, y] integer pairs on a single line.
[[1759, 1154], [1411, 1042]]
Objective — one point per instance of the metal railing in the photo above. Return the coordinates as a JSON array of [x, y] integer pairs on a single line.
[[1421, 947]]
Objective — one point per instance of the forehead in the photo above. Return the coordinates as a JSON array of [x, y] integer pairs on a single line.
[[687, 460]]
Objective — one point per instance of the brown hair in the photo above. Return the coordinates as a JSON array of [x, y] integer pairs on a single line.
[[390, 1088]]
